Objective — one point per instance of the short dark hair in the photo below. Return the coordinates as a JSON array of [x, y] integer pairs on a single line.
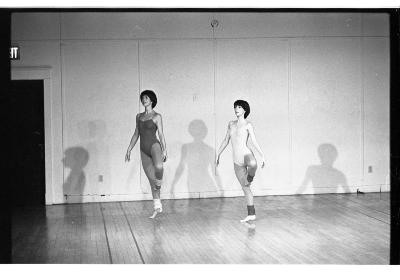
[[150, 94], [244, 105]]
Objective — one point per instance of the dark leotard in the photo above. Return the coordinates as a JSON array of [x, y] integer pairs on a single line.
[[147, 132]]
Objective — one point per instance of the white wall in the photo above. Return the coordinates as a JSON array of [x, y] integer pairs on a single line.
[[312, 80], [376, 110], [98, 105], [255, 70], [325, 91]]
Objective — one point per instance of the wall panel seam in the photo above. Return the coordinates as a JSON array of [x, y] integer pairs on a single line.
[[62, 96], [140, 88], [214, 95], [289, 85], [362, 104]]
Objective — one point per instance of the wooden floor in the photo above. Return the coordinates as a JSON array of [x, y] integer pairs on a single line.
[[301, 229]]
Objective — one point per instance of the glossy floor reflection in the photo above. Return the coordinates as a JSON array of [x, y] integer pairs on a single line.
[[302, 229]]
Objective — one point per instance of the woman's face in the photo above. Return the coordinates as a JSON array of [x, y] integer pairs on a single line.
[[146, 101], [239, 111]]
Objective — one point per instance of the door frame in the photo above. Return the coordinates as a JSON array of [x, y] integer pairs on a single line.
[[42, 73]]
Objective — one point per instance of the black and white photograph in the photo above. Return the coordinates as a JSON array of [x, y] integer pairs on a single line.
[[202, 136]]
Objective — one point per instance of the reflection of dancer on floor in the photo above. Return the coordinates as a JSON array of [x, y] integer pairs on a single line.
[[245, 164], [153, 152]]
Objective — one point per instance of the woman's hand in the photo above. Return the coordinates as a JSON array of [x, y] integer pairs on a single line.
[[128, 156]]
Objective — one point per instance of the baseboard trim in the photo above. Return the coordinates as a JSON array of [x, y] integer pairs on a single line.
[[90, 198]]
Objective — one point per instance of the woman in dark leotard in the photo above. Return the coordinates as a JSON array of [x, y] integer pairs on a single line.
[[153, 152]]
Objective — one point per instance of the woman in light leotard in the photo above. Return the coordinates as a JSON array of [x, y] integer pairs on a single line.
[[245, 164], [153, 152]]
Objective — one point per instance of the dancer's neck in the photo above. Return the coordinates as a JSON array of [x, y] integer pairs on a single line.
[[241, 119], [148, 110]]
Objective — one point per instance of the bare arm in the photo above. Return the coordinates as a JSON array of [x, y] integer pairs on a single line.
[[224, 143], [134, 139], [158, 121], [254, 140]]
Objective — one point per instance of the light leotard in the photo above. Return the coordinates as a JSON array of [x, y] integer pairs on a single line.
[[239, 138]]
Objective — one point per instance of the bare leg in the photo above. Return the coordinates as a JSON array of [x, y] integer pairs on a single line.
[[241, 174], [248, 195], [157, 158], [150, 170], [251, 164], [251, 212], [155, 193]]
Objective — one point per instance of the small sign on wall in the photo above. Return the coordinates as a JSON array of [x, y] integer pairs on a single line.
[[14, 53]]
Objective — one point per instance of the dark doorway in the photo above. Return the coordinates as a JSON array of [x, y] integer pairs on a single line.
[[29, 187]]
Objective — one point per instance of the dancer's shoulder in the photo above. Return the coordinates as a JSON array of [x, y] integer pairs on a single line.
[[157, 115], [231, 123], [249, 123], [249, 126]]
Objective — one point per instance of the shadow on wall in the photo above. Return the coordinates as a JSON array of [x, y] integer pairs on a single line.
[[324, 176], [93, 136], [75, 159], [198, 158]]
